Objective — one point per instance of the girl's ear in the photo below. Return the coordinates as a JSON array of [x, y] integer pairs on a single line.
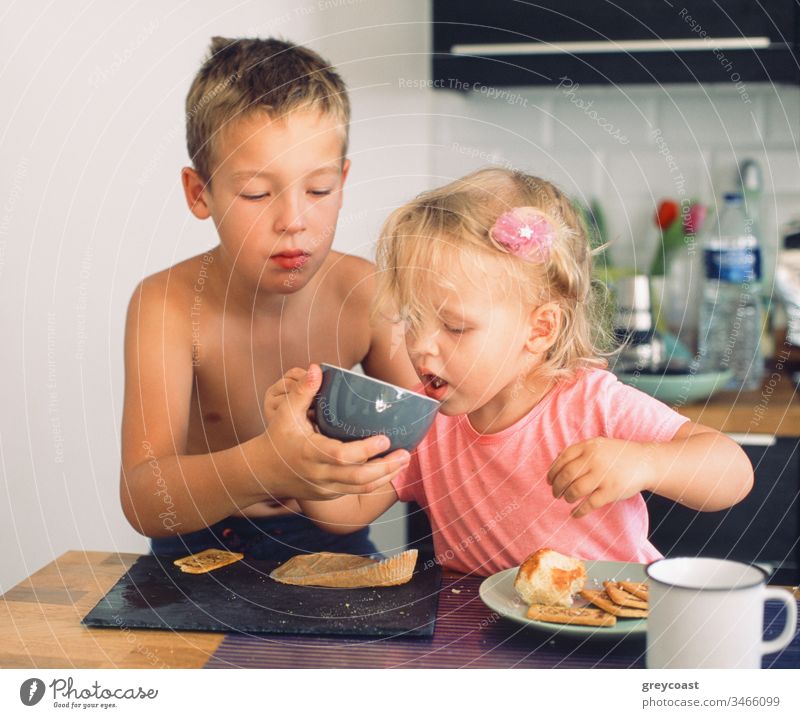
[[544, 326], [194, 188]]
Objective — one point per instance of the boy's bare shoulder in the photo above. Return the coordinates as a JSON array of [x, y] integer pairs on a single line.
[[352, 277], [175, 283], [171, 291]]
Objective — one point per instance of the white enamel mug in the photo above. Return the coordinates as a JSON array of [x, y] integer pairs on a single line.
[[709, 613]]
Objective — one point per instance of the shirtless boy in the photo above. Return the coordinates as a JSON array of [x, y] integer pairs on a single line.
[[267, 126]]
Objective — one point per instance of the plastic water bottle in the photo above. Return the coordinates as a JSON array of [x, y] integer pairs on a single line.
[[731, 312]]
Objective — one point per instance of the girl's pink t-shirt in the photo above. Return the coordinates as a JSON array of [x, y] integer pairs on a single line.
[[487, 496]]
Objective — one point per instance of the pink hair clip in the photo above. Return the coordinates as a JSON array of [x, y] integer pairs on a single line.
[[526, 233]]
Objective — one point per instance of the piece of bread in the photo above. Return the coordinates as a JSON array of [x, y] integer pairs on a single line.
[[580, 616], [207, 560], [342, 570], [621, 597], [602, 600], [550, 578]]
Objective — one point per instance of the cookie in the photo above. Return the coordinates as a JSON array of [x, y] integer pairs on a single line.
[[601, 600], [576, 616], [638, 589], [621, 597], [207, 560]]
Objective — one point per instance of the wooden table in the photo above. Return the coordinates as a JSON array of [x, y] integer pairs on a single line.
[[40, 622], [773, 409]]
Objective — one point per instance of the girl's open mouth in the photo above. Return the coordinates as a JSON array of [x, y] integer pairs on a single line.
[[435, 387]]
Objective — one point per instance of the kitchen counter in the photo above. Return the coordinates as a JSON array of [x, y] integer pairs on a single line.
[[40, 627], [774, 409]]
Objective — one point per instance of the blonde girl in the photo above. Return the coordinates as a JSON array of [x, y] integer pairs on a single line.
[[536, 443]]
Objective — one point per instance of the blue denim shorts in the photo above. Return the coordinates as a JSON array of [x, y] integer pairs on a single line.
[[275, 538]]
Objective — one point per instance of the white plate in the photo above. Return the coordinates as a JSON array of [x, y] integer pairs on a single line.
[[498, 593]]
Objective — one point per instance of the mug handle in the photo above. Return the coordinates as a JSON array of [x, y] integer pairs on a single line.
[[786, 636]]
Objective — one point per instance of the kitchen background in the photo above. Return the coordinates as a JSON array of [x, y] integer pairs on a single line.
[[92, 142]]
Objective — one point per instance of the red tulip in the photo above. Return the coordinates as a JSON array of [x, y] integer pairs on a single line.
[[693, 222], [668, 212]]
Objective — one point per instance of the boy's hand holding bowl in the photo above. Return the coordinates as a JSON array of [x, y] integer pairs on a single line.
[[366, 429]]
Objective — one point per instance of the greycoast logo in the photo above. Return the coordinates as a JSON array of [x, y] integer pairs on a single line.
[[31, 691], [66, 695]]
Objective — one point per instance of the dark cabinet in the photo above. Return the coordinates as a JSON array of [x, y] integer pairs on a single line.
[[509, 42], [765, 527]]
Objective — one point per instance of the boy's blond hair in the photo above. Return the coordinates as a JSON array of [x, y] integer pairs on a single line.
[[426, 239], [245, 75]]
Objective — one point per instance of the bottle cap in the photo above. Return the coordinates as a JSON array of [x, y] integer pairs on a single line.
[[733, 197], [792, 241], [750, 176]]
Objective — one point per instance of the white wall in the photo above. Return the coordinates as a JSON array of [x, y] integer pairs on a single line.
[[91, 146], [92, 142]]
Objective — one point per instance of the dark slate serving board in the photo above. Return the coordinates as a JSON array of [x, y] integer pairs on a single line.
[[242, 598]]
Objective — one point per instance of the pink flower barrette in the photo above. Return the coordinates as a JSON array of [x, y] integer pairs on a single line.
[[526, 233]]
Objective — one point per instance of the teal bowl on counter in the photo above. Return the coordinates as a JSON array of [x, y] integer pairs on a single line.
[[678, 388], [351, 406]]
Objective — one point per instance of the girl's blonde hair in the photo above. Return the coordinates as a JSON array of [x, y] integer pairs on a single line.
[[425, 239]]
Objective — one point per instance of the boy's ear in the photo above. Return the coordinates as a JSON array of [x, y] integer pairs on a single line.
[[194, 188], [345, 172], [544, 326]]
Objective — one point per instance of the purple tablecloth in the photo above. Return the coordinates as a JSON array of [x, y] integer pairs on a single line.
[[467, 635]]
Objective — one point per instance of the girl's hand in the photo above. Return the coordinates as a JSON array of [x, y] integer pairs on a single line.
[[599, 471]]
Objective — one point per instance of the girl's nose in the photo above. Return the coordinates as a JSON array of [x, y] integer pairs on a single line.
[[422, 342], [289, 216]]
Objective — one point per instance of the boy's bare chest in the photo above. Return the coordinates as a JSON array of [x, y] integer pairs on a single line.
[[236, 362]]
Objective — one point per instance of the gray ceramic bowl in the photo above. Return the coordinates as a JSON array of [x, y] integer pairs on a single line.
[[352, 406]]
